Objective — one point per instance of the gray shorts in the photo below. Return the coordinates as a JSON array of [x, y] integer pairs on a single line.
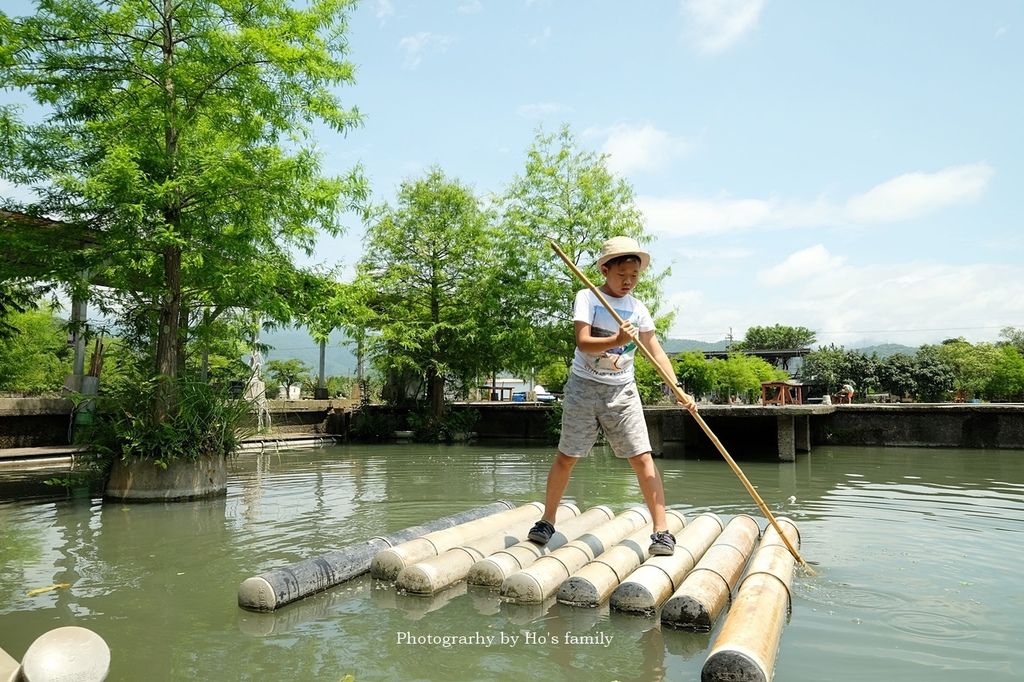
[[588, 404]]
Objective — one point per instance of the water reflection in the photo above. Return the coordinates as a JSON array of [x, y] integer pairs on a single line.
[[918, 553]]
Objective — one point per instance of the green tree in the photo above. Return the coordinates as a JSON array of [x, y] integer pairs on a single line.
[[568, 195], [178, 140], [1007, 379], [1013, 336], [933, 375], [695, 372], [972, 364], [288, 372], [427, 271], [776, 337], [826, 366], [896, 375], [35, 358]]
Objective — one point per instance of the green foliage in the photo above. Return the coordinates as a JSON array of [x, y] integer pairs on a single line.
[[1014, 337], [742, 375], [553, 376], [209, 421], [973, 365], [826, 366], [776, 337], [373, 426], [36, 358], [1006, 381], [897, 375], [648, 382], [453, 426], [568, 195], [427, 271], [288, 372], [695, 372], [177, 143]]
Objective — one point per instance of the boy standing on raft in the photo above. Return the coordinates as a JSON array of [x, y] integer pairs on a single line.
[[601, 390]]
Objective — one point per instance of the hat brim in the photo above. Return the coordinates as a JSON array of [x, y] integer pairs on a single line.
[[645, 258]]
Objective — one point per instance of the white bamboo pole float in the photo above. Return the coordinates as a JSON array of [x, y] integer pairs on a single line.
[[492, 570], [388, 563], [273, 589], [446, 569], [748, 643], [705, 592], [541, 580], [593, 583], [649, 586], [66, 653]]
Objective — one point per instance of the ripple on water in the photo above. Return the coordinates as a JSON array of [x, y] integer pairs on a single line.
[[832, 594], [931, 625]]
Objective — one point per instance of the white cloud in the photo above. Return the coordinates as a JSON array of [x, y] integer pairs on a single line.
[[541, 109], [802, 265], [1001, 31], [716, 25], [716, 254], [472, 7], [383, 9], [638, 147], [849, 304], [699, 216], [416, 45], [905, 197], [913, 194]]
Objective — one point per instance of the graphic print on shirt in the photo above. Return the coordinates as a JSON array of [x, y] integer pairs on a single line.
[[602, 326]]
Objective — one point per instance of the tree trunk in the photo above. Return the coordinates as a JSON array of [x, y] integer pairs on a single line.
[[167, 336], [435, 390]]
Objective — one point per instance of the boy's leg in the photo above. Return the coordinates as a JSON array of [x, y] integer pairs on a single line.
[[558, 479], [653, 490]]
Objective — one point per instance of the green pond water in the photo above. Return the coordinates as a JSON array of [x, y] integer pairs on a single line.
[[918, 554]]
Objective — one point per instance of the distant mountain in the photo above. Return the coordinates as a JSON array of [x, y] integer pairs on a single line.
[[297, 344], [683, 345], [884, 350]]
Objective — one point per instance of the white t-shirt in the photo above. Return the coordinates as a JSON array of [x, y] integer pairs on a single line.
[[615, 365]]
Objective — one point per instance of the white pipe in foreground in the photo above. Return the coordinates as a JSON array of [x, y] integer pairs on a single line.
[[492, 571], [536, 583], [593, 583], [436, 573], [748, 643], [705, 592], [650, 585], [388, 563]]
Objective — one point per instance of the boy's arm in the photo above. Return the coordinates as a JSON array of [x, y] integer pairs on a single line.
[[588, 343], [650, 340]]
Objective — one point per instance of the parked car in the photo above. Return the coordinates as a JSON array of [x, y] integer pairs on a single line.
[[543, 396]]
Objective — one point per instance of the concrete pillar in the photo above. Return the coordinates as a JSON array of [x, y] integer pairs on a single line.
[[78, 318], [786, 440], [802, 433], [321, 386], [654, 433]]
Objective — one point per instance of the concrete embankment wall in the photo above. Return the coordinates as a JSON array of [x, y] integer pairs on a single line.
[[990, 425], [39, 422]]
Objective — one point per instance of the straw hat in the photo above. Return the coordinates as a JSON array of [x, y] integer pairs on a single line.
[[623, 246]]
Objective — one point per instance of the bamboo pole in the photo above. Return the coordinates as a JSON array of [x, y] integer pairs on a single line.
[[691, 407]]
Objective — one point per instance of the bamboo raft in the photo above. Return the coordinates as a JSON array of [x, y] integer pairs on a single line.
[[596, 559]]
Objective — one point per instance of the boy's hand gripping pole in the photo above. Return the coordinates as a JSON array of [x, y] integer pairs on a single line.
[[691, 407]]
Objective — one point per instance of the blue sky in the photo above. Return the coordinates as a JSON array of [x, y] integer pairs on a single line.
[[852, 167]]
